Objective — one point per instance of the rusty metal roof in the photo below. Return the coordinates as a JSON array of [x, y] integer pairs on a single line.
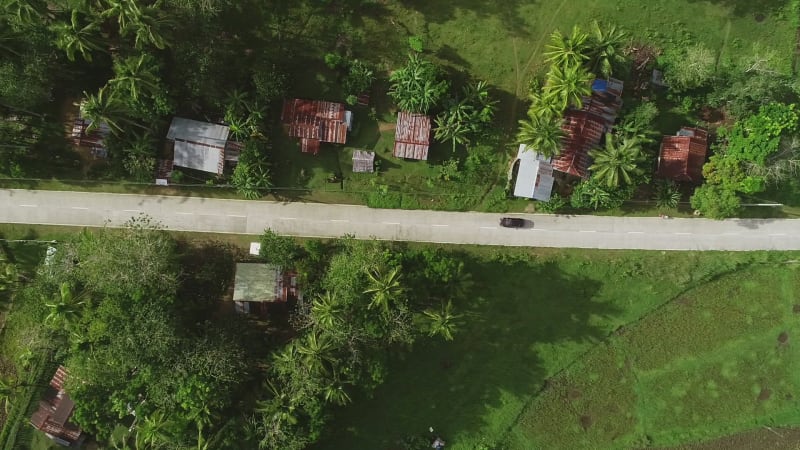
[[584, 128], [412, 136], [363, 161], [314, 120], [681, 157]]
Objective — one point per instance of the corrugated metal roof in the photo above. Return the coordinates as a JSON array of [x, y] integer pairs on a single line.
[[412, 136], [208, 134], [315, 120], [681, 157], [584, 128], [363, 161], [534, 176], [256, 282], [198, 145], [199, 157]]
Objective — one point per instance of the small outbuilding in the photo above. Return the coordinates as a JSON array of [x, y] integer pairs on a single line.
[[412, 136], [257, 284], [54, 413], [363, 161], [534, 175], [316, 121], [198, 145], [681, 157]]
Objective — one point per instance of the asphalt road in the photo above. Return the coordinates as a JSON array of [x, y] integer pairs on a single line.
[[323, 220]]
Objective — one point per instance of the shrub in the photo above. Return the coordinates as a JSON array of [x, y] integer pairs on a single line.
[[416, 43], [555, 204], [666, 194]]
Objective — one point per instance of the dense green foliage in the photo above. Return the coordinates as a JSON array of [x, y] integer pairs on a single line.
[[417, 87], [607, 336]]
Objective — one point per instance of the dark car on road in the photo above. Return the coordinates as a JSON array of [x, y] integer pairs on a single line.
[[512, 222]]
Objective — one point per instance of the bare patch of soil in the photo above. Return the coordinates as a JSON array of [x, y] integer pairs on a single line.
[[764, 394], [783, 338], [796, 309], [760, 17], [586, 422], [574, 394]]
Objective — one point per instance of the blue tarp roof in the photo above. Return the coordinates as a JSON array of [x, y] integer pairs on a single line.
[[599, 85]]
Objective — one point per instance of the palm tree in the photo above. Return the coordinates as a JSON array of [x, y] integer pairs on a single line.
[[6, 391], [335, 393], [65, 307], [9, 275], [541, 134], [384, 288], [315, 349], [449, 127], [127, 12], [566, 86], [135, 74], [544, 106], [416, 87], [566, 51], [105, 108], [605, 48], [152, 430], [76, 38], [667, 195], [443, 323], [26, 12], [148, 27], [615, 164], [326, 311]]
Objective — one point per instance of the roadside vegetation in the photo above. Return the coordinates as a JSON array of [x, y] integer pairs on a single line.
[[135, 65], [579, 349]]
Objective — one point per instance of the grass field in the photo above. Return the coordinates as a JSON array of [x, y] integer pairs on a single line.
[[578, 349]]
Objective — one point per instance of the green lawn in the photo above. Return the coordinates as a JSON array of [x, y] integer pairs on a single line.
[[591, 349]]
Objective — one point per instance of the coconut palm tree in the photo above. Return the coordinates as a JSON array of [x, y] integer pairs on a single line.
[[567, 50], [443, 323], [65, 307], [135, 75], [148, 28], [566, 86], [605, 48], [153, 430], [105, 108], [385, 288], [617, 164], [326, 311], [542, 134], [77, 38], [544, 106], [315, 349]]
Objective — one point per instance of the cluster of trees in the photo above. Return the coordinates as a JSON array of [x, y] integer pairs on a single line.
[[138, 352], [363, 300], [134, 315], [756, 150], [573, 59]]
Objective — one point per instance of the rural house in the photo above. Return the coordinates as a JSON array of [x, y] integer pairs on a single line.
[[55, 410], [584, 128], [534, 175], [316, 121], [412, 136], [256, 285], [93, 139], [199, 145], [682, 156]]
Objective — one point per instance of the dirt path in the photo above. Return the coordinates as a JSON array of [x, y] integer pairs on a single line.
[[520, 81]]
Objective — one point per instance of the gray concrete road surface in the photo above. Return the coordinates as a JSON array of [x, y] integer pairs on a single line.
[[324, 220]]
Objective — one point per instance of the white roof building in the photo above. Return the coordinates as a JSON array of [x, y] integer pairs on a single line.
[[199, 145], [535, 175]]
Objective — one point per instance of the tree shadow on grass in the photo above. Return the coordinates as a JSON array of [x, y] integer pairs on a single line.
[[208, 272], [443, 11], [480, 382]]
